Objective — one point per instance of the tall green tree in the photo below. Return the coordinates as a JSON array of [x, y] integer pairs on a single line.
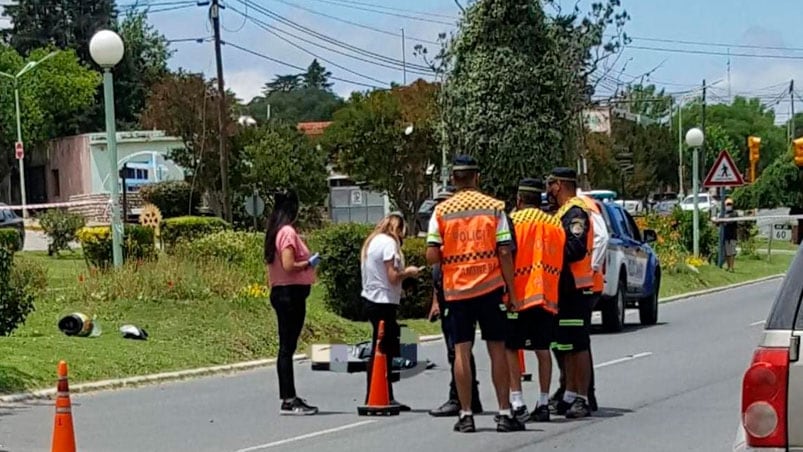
[[283, 83], [317, 77], [292, 107]]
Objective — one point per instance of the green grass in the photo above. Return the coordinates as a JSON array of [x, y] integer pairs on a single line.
[[187, 333], [746, 268], [763, 244]]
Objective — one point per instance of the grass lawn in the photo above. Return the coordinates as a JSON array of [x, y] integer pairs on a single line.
[[763, 244], [186, 333]]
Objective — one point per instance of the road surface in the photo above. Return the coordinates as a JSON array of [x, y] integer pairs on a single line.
[[674, 386]]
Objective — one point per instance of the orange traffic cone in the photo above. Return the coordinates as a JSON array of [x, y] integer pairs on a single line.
[[378, 396], [63, 434], [523, 367]]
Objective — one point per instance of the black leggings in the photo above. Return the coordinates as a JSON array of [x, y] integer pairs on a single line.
[[391, 343], [290, 304]]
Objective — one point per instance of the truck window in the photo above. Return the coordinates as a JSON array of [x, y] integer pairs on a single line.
[[635, 233], [617, 217]]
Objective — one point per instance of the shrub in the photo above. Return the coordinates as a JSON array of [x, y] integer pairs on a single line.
[[97, 244], [418, 294], [669, 247], [60, 227], [239, 248], [709, 237], [172, 197], [748, 239], [10, 240], [176, 229], [29, 275], [339, 271], [16, 302]]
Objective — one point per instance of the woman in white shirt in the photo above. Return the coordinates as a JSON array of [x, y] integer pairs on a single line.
[[383, 270]]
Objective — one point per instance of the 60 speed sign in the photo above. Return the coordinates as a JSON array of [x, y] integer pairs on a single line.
[[782, 232]]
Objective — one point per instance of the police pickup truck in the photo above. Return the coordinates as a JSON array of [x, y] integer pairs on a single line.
[[632, 269]]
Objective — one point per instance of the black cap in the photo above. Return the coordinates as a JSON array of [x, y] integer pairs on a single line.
[[464, 163], [563, 173], [445, 194], [531, 185]]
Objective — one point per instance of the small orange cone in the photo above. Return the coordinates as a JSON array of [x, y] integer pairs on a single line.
[[63, 434], [523, 367], [378, 396]]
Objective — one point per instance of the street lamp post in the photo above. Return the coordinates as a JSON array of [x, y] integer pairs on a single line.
[[107, 49], [21, 158], [694, 139]]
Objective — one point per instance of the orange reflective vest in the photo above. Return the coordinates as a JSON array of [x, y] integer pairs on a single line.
[[468, 223], [540, 239], [599, 276], [581, 270]]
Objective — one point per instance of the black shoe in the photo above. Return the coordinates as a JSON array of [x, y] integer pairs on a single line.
[[448, 409], [561, 407], [465, 424], [579, 409], [521, 414], [555, 400], [592, 402], [541, 414], [297, 407], [402, 407], [508, 424]]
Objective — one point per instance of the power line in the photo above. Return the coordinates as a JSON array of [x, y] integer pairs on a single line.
[[390, 8], [707, 52], [717, 44], [269, 30], [299, 68], [356, 24], [198, 40], [403, 16]]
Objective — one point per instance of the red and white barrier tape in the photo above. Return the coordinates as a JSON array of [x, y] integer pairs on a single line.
[[54, 205], [755, 218]]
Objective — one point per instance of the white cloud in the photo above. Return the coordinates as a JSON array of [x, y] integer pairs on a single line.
[[246, 83]]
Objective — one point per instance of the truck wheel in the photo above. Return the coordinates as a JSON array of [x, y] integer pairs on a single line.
[[648, 306], [613, 312]]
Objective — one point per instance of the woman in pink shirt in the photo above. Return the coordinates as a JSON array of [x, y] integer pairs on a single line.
[[291, 273]]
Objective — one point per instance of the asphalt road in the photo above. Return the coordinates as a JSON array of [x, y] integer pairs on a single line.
[[674, 386]]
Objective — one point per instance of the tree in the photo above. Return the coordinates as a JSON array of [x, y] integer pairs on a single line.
[[283, 83], [300, 105], [50, 95], [369, 143], [317, 77], [780, 185]]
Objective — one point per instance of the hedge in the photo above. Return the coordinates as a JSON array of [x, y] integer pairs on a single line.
[[96, 242], [15, 302], [10, 239], [190, 228], [339, 272], [172, 197]]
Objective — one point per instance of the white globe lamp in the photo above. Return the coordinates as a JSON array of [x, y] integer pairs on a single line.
[[694, 138], [106, 48]]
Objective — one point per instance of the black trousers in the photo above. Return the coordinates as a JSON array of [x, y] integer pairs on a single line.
[[290, 304], [559, 355], [391, 342], [450, 355]]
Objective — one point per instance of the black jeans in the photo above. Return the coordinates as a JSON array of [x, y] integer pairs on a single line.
[[290, 304], [391, 342], [450, 353]]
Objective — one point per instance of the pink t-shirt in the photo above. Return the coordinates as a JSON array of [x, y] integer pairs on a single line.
[[287, 237]]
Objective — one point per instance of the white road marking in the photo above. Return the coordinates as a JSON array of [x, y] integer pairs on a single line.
[[622, 360], [307, 436], [760, 322]]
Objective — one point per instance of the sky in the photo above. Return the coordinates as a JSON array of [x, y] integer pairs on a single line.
[[377, 29]]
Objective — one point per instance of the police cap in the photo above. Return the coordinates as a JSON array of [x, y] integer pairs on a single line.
[[464, 163], [531, 185], [563, 173]]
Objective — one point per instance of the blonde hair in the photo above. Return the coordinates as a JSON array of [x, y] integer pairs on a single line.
[[393, 225]]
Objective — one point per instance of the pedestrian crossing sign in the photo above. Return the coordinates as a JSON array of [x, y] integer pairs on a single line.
[[724, 173]]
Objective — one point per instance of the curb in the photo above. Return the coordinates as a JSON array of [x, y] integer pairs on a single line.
[[261, 363]]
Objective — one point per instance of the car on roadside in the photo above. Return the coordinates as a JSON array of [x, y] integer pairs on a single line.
[[423, 215], [772, 386], [705, 202], [10, 220]]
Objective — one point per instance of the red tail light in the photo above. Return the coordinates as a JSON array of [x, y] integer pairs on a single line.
[[764, 390]]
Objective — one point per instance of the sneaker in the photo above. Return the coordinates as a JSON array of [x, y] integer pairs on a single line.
[[592, 402], [465, 424], [540, 414], [521, 413], [508, 424], [555, 400], [402, 407], [297, 407], [448, 409], [561, 407], [579, 409]]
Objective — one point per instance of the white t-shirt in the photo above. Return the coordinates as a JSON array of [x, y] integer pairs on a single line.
[[601, 239], [376, 285]]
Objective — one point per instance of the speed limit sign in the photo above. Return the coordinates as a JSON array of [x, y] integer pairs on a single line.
[[782, 232]]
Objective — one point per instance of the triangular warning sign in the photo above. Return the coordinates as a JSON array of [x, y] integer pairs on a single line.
[[724, 173]]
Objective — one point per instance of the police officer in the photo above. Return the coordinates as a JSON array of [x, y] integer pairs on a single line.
[[470, 237], [539, 258], [572, 337], [452, 406]]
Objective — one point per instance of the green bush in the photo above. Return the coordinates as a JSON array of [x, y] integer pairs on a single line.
[[339, 271], [709, 236], [60, 227], [172, 197], [190, 228], [244, 249], [96, 242], [417, 299], [748, 239], [28, 275], [16, 302], [10, 240]]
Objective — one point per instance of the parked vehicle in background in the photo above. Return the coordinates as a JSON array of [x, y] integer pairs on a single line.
[[772, 388], [665, 207], [423, 215], [633, 206], [706, 203], [10, 220]]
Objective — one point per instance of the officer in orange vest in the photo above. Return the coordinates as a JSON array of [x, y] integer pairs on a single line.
[[572, 337], [539, 258], [469, 236]]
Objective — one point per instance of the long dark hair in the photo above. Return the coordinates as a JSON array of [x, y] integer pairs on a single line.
[[285, 211]]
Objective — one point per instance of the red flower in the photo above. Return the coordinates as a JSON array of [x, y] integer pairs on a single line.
[[170, 284], [81, 278]]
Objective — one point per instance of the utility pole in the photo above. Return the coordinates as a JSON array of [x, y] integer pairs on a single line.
[[792, 103], [730, 99], [404, 57], [680, 148], [702, 125], [214, 14]]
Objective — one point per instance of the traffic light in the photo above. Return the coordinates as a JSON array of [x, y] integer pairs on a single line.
[[798, 145], [754, 144]]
